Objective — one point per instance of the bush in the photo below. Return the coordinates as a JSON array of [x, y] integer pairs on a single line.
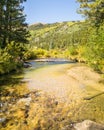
[[10, 59], [73, 50], [40, 53], [29, 55], [35, 53], [8, 64]]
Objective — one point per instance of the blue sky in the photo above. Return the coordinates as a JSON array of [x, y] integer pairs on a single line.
[[50, 11]]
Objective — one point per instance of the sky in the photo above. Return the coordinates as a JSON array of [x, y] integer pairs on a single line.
[[51, 11]]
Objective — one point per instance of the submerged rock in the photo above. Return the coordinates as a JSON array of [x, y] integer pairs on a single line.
[[88, 125], [2, 120]]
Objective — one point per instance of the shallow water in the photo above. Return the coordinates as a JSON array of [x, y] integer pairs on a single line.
[[53, 78]]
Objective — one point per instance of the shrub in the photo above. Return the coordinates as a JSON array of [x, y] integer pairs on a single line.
[[73, 50], [10, 59]]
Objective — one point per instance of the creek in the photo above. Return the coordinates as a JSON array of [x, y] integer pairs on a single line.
[[50, 76], [55, 86]]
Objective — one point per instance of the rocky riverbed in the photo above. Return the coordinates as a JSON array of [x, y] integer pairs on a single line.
[[54, 100]]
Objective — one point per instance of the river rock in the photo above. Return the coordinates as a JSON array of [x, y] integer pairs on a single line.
[[25, 100], [88, 125], [2, 120], [27, 64]]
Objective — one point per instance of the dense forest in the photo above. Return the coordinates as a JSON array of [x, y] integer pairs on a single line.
[[82, 41]]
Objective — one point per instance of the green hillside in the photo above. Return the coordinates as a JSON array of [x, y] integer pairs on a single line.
[[52, 36]]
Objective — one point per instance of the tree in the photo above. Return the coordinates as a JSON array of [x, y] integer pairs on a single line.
[[12, 22], [1, 20], [93, 10]]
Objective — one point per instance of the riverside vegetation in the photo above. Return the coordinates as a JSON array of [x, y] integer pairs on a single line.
[[82, 41]]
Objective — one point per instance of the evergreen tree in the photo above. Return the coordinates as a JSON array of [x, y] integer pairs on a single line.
[[1, 20], [12, 22]]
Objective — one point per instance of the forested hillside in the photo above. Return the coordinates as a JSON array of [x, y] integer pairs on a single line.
[[54, 36]]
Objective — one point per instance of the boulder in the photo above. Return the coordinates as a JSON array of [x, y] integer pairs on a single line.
[[27, 64], [88, 125]]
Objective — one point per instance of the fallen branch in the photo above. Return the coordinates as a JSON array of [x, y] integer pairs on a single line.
[[89, 98]]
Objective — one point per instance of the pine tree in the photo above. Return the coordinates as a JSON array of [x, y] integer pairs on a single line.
[[12, 22], [1, 20]]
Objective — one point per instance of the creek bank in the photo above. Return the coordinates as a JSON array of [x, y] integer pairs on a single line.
[[32, 110]]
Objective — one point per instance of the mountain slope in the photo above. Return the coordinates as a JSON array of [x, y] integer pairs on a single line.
[[56, 35]]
